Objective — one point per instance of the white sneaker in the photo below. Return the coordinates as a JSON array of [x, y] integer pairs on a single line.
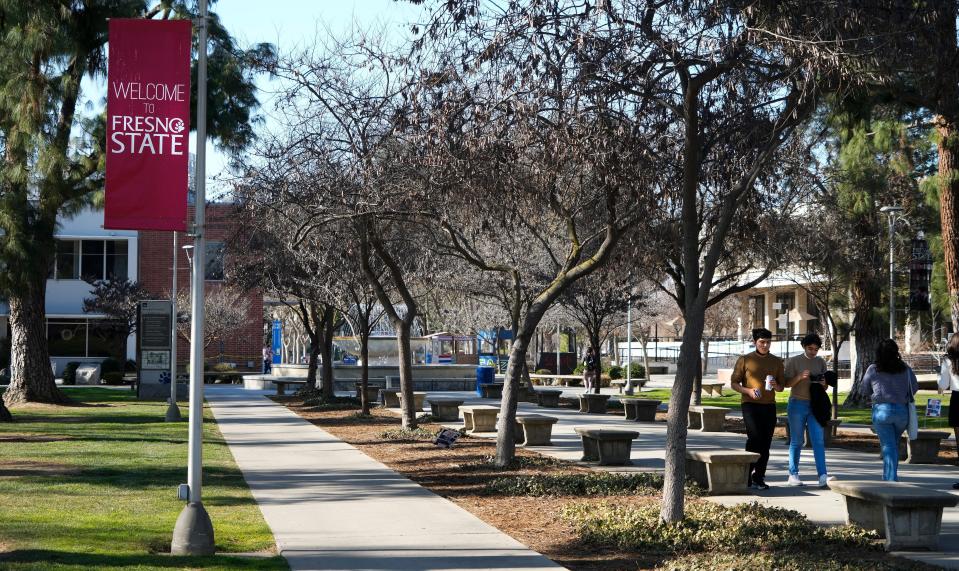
[[794, 481], [824, 480]]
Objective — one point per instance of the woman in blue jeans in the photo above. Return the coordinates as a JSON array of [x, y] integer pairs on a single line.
[[890, 384]]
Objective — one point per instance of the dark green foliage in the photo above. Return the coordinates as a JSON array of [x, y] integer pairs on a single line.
[[318, 403], [589, 484], [227, 373], [112, 378], [416, 434], [744, 528], [110, 366], [70, 373], [637, 372], [5, 352], [614, 372], [489, 464]]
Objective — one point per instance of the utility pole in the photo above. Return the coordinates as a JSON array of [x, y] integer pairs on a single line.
[[173, 411], [193, 533], [892, 212]]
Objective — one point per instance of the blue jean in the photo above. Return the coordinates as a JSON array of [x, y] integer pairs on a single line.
[[890, 422], [800, 416]]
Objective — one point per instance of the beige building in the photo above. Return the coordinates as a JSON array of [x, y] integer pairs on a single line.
[[781, 306]]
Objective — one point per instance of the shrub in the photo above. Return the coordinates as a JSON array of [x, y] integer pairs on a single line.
[[614, 372], [588, 484], [708, 527], [519, 462], [225, 370], [636, 372], [417, 434], [579, 369], [70, 373], [110, 365], [318, 403], [112, 377]]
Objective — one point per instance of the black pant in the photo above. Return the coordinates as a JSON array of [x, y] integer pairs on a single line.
[[760, 422]]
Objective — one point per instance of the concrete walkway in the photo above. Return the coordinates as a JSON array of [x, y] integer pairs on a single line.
[[332, 507]]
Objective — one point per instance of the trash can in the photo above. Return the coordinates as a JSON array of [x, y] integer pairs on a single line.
[[484, 376]]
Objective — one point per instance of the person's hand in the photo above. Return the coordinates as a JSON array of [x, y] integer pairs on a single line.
[[804, 376], [755, 394], [777, 386]]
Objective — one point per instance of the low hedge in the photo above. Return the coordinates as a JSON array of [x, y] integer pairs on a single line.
[[70, 373], [587, 484], [744, 528], [112, 377], [416, 434]]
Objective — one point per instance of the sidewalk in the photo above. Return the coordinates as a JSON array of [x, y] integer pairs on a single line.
[[332, 507]]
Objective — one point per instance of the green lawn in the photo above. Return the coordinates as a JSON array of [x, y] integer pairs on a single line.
[[851, 416], [94, 487]]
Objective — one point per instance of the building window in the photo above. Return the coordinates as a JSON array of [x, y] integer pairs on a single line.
[[786, 301], [214, 261], [758, 307], [67, 338], [67, 262], [91, 259]]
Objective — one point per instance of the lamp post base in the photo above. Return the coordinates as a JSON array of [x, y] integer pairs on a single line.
[[193, 533], [173, 413]]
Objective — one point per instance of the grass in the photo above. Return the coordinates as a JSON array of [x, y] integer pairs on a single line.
[[731, 399], [94, 486]]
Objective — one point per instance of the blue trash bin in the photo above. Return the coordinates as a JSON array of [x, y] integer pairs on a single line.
[[484, 376]]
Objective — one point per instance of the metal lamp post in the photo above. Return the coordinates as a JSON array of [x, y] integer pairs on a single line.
[[193, 533], [892, 212]]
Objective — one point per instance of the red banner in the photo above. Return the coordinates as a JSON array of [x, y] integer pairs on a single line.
[[148, 124]]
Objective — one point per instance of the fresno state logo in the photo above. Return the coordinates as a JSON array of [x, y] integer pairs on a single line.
[[148, 134]]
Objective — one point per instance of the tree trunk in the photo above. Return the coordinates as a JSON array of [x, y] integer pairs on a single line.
[[644, 341], [328, 326], [365, 368], [869, 329], [594, 343], [505, 439], [949, 209], [31, 378], [697, 396], [314, 362], [678, 419], [836, 344], [406, 371]]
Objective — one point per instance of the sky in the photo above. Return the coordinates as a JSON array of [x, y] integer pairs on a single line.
[[291, 25]]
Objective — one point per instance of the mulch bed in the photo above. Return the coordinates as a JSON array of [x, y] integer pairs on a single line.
[[459, 474]]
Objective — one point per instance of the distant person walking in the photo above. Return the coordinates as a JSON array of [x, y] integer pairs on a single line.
[[757, 376], [591, 371], [267, 359], [802, 372], [949, 379], [890, 384]]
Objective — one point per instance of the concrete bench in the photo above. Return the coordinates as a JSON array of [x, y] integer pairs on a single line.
[[828, 432], [281, 385], [389, 398], [534, 429], [606, 446], [479, 417], [445, 409], [640, 410], [907, 516], [372, 393], [925, 448], [707, 418], [491, 391], [548, 398], [720, 471], [713, 388], [593, 403], [418, 399]]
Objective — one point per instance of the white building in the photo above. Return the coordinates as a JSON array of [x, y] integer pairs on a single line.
[[85, 252]]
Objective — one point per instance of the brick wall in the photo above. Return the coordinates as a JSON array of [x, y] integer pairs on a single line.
[[156, 275]]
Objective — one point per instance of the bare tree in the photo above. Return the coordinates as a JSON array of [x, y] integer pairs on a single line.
[[118, 300], [226, 310]]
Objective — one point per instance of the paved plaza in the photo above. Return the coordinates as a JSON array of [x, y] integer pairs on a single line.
[[332, 507]]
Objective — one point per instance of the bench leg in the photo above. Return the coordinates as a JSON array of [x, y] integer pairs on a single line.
[[590, 450], [695, 421], [280, 389], [615, 452], [912, 528]]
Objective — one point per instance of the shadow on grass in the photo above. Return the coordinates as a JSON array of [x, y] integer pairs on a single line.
[[101, 561]]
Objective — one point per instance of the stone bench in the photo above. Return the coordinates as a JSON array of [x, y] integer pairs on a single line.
[[372, 393], [534, 429], [389, 398], [907, 516], [281, 385], [713, 388], [479, 417], [640, 410], [720, 471], [491, 391], [925, 448], [445, 409], [418, 399], [828, 432], [707, 418], [593, 403], [548, 398], [606, 446]]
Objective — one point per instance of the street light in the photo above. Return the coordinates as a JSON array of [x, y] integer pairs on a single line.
[[193, 532], [893, 213]]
